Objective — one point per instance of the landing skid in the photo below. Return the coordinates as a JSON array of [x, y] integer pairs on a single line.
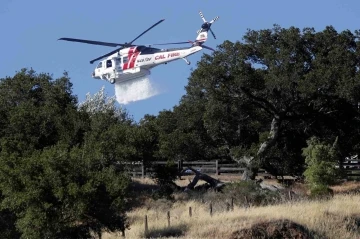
[[109, 77]]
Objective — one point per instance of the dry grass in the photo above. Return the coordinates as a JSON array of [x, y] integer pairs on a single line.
[[327, 218], [335, 218], [346, 187]]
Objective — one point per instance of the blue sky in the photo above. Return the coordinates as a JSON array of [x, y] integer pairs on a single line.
[[30, 29]]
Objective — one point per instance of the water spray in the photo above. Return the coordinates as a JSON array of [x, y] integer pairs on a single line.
[[135, 90]]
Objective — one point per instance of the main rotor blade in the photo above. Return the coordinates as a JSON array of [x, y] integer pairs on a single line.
[[209, 48], [146, 30], [170, 43], [202, 16], [106, 55], [216, 18], [92, 42], [212, 33]]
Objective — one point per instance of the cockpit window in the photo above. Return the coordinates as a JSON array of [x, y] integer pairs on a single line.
[[99, 65], [108, 63], [150, 50]]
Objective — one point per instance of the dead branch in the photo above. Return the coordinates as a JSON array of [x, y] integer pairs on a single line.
[[214, 183]]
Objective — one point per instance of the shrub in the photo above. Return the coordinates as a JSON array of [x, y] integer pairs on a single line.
[[321, 160], [321, 192], [164, 176], [253, 192]]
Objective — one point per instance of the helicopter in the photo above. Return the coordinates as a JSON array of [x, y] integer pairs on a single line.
[[129, 61]]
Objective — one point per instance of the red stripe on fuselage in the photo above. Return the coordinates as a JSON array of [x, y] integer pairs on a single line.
[[130, 53], [134, 57]]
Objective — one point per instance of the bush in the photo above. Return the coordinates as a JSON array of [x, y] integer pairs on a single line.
[[321, 160], [164, 176], [321, 192], [253, 192]]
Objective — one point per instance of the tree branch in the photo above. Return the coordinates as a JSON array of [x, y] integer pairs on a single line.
[[267, 104]]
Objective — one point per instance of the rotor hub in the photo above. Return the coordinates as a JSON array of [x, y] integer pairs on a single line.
[[206, 26]]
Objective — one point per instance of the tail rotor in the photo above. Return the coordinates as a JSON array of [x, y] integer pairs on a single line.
[[206, 26]]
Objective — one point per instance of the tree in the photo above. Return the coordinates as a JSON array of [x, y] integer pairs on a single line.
[[279, 82], [101, 103], [321, 160], [58, 175], [182, 134]]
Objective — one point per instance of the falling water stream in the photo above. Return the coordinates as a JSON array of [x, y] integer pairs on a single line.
[[135, 90]]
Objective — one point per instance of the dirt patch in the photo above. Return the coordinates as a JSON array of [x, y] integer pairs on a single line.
[[274, 229]]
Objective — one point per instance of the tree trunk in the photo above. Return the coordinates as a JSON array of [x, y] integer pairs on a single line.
[[214, 183], [252, 163], [249, 173], [270, 141]]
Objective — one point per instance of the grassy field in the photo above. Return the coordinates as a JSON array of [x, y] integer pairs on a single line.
[[338, 217]]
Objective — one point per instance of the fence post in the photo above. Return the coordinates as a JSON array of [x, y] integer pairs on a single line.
[[146, 226], [190, 212], [211, 209], [168, 218], [217, 167], [142, 169], [290, 195], [232, 204], [246, 202], [180, 165]]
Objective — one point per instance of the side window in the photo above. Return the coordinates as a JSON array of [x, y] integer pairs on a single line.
[[125, 59], [99, 65], [118, 61], [108, 63]]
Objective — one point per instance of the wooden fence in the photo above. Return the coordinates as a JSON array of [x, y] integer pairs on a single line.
[[352, 167], [138, 169]]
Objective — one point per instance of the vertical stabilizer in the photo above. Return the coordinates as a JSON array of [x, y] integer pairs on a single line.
[[202, 37]]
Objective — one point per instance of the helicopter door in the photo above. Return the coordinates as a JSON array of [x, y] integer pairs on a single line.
[[118, 65], [124, 61], [99, 67], [109, 66]]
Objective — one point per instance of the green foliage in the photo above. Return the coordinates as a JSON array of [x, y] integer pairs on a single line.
[[7, 224], [321, 192], [58, 177], [164, 176], [321, 160], [305, 81], [74, 183]]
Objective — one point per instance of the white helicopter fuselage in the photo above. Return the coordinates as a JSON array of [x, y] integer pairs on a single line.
[[130, 61], [135, 62]]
